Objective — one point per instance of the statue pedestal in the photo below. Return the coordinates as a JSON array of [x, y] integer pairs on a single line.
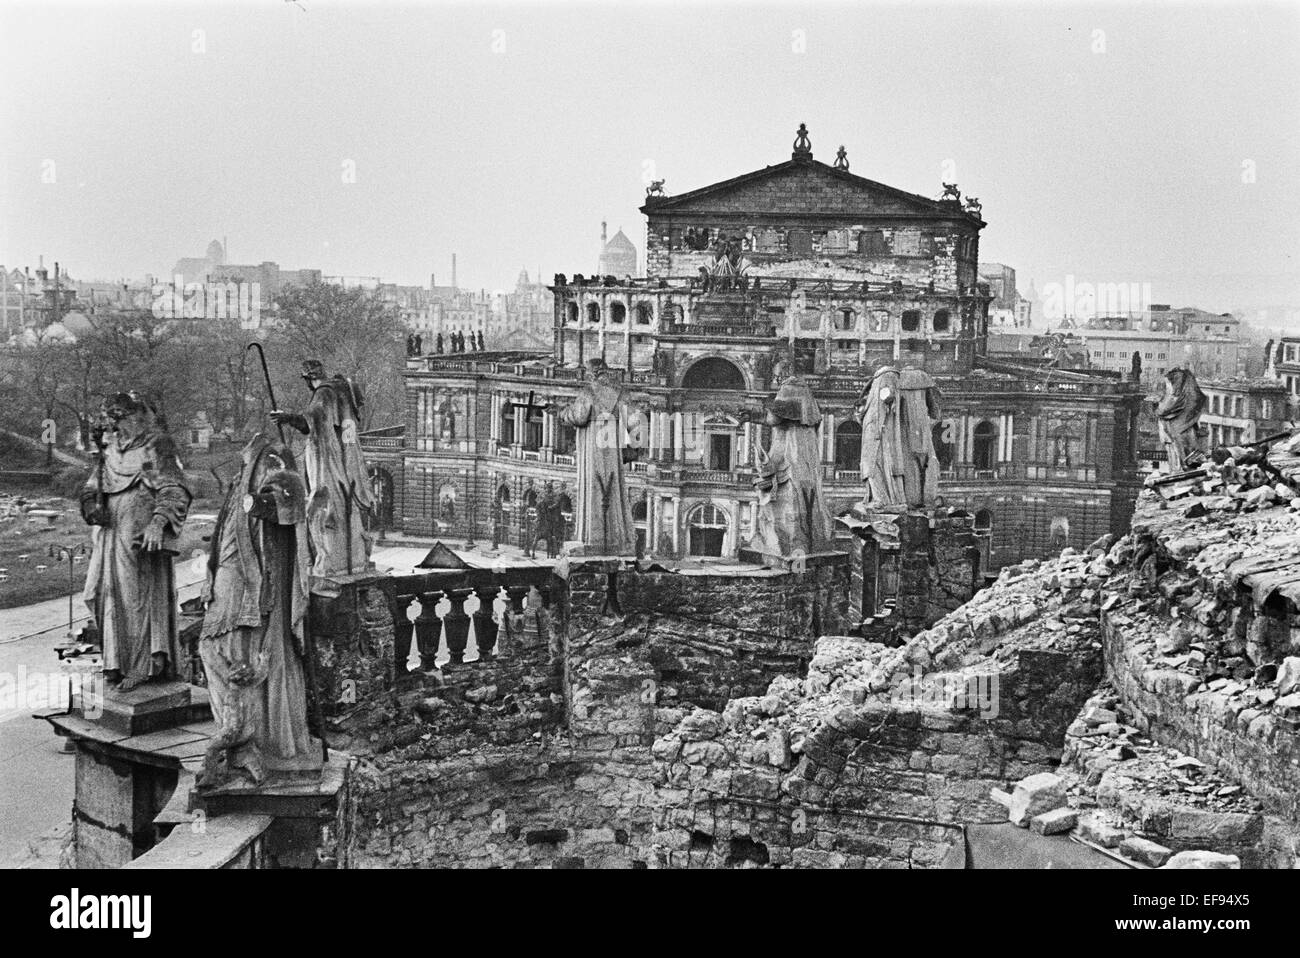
[[581, 550], [799, 563], [146, 708]]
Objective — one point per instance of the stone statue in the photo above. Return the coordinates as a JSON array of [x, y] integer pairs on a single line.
[[437, 344], [338, 489], [136, 500], [882, 442], [1179, 413], [481, 347], [792, 516], [419, 345], [253, 641], [950, 192], [1135, 367], [604, 512], [918, 412], [656, 188]]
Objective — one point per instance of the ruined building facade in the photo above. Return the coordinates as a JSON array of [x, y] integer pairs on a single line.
[[802, 262]]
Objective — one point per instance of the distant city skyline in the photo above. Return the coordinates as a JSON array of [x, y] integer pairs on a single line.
[[1117, 144]]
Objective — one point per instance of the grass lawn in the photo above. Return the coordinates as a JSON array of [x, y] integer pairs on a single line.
[[32, 574]]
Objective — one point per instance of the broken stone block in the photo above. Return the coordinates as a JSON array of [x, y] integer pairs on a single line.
[[1100, 832], [1203, 859], [1176, 640], [700, 726], [1144, 850], [1033, 796], [1055, 822], [1288, 675], [1096, 715]]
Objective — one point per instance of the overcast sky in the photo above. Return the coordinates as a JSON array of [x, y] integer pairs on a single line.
[[1118, 143]]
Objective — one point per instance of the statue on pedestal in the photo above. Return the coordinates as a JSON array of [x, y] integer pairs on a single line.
[[898, 411], [792, 516], [338, 488], [137, 500], [1179, 414], [604, 512], [882, 441], [253, 642]]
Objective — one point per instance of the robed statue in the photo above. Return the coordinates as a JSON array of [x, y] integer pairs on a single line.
[[792, 516], [253, 641], [339, 493], [1179, 414], [882, 441], [898, 411], [604, 513], [136, 499]]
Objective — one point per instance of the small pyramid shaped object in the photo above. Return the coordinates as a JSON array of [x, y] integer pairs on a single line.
[[441, 557]]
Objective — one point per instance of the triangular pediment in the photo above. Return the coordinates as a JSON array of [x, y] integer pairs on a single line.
[[441, 557], [800, 188]]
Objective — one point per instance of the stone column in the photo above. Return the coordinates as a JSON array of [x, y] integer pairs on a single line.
[[678, 438], [677, 524]]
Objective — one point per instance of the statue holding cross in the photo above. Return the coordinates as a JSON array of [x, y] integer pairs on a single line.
[[604, 513]]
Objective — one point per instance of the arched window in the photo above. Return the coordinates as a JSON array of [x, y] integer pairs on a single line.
[[942, 450], [617, 312], [593, 313], [846, 320], [571, 313], [645, 314], [640, 512], [984, 449], [941, 321], [911, 320], [848, 445], [714, 373], [708, 530]]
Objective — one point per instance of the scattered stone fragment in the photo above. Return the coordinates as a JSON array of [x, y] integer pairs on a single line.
[[1203, 859], [1056, 822], [1033, 796], [1144, 850], [1100, 832]]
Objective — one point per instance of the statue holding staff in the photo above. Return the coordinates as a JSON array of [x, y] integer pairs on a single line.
[[136, 500], [253, 641], [339, 493]]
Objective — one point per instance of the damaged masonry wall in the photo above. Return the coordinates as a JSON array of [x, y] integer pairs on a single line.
[[1155, 677]]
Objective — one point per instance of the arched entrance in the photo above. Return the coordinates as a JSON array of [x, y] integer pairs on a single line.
[[706, 530]]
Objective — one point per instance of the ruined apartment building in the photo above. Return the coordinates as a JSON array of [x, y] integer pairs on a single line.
[[838, 273]]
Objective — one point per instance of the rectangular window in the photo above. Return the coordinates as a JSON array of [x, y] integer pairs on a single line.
[[911, 320]]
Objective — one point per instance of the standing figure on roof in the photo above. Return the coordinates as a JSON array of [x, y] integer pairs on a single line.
[[339, 494]]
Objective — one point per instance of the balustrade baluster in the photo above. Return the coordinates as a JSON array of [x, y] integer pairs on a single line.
[[485, 626], [455, 625], [428, 630]]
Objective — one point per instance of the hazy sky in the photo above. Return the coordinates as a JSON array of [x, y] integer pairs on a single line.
[[506, 133]]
